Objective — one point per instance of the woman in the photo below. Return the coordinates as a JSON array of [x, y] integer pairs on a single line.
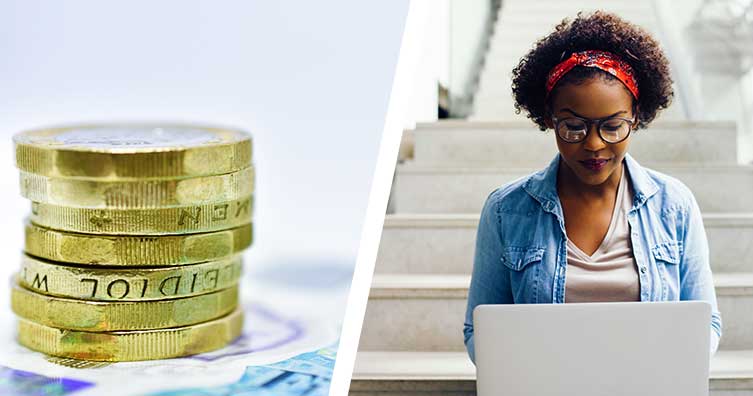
[[594, 225]]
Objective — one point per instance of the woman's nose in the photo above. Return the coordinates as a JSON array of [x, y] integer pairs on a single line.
[[593, 141]]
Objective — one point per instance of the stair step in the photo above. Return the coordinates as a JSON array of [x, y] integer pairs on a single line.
[[433, 189], [464, 143], [444, 243], [426, 312], [391, 373]]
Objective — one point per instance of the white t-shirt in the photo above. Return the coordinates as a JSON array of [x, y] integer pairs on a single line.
[[610, 274]]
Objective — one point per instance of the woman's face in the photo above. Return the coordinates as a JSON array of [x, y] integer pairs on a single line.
[[595, 98]]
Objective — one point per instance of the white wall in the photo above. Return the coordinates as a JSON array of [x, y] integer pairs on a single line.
[[467, 24], [429, 30], [449, 31]]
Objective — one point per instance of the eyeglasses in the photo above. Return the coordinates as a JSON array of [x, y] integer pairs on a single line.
[[575, 129]]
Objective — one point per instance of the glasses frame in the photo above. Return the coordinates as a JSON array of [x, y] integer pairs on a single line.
[[591, 121]]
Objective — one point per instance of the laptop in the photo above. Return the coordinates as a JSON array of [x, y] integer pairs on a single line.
[[590, 349]]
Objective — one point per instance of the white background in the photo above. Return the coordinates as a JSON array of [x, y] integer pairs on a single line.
[[309, 80]]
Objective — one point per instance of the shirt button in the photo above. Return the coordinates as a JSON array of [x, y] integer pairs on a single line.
[[643, 270]]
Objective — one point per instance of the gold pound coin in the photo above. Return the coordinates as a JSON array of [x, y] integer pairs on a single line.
[[131, 345], [96, 316], [179, 220], [135, 251], [137, 194], [126, 284], [132, 151]]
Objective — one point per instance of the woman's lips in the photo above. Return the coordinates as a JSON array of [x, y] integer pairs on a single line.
[[594, 164]]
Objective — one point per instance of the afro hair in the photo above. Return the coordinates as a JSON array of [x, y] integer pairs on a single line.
[[593, 31]]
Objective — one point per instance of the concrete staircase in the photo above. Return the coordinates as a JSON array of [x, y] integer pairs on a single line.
[[412, 341]]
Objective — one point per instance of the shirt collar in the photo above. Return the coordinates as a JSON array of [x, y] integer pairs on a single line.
[[542, 185]]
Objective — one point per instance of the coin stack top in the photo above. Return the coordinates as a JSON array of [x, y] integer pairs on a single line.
[[137, 151]]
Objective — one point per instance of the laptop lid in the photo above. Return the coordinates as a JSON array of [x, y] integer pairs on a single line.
[[589, 349]]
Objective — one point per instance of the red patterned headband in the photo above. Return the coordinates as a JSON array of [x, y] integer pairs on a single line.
[[606, 61]]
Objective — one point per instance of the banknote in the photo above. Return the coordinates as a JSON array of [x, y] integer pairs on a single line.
[[305, 374], [20, 382]]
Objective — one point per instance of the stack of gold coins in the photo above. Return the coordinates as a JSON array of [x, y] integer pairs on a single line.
[[133, 247]]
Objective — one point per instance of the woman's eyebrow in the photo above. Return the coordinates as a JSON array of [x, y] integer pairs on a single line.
[[578, 115]]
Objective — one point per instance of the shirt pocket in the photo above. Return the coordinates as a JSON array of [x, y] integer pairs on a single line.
[[518, 258], [525, 272], [667, 257]]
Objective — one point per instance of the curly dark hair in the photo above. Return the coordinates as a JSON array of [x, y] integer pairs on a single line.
[[593, 31]]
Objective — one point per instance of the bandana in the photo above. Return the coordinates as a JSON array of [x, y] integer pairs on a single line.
[[606, 61]]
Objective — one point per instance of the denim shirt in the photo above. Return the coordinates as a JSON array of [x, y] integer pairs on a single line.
[[521, 245]]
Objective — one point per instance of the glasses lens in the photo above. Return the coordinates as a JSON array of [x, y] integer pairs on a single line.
[[572, 129], [614, 130]]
